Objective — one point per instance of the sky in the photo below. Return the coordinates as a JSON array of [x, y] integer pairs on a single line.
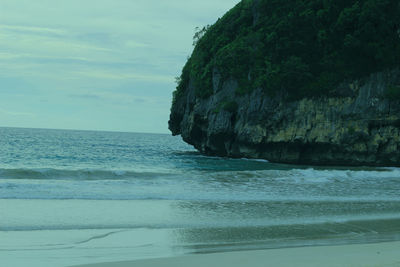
[[96, 64]]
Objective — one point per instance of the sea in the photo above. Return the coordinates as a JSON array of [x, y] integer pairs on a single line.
[[75, 197]]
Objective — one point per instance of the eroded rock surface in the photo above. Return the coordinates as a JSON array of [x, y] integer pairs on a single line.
[[360, 126]]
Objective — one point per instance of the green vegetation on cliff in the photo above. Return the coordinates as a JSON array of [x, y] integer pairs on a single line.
[[303, 48]]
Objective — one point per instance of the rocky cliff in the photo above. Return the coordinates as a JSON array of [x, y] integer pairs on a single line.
[[355, 123], [361, 129]]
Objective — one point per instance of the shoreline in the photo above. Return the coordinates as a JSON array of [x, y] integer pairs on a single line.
[[370, 254]]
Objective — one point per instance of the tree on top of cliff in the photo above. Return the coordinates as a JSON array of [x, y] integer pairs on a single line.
[[303, 48]]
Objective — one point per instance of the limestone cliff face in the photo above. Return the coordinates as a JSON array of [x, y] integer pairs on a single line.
[[357, 126]]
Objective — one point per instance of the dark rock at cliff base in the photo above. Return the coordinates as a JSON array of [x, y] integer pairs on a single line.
[[351, 119]]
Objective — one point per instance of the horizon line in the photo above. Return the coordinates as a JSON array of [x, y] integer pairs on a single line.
[[83, 130]]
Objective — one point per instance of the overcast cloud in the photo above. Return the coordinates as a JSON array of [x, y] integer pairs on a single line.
[[95, 64]]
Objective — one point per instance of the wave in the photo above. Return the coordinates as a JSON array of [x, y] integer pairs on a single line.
[[80, 174], [305, 174], [203, 185], [210, 198], [314, 175], [369, 222]]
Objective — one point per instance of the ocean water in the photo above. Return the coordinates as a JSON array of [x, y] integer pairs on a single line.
[[74, 197]]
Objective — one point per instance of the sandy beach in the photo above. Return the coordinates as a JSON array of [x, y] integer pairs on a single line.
[[378, 254]]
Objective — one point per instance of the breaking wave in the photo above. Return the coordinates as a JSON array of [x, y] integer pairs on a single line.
[[83, 174]]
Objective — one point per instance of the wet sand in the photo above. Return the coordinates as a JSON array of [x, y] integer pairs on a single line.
[[377, 254]]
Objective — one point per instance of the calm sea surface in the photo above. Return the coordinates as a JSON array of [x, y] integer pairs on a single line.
[[73, 197]]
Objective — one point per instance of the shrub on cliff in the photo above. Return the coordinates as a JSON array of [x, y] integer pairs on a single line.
[[302, 48]]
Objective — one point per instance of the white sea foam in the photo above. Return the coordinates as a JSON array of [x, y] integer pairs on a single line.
[[258, 160]]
